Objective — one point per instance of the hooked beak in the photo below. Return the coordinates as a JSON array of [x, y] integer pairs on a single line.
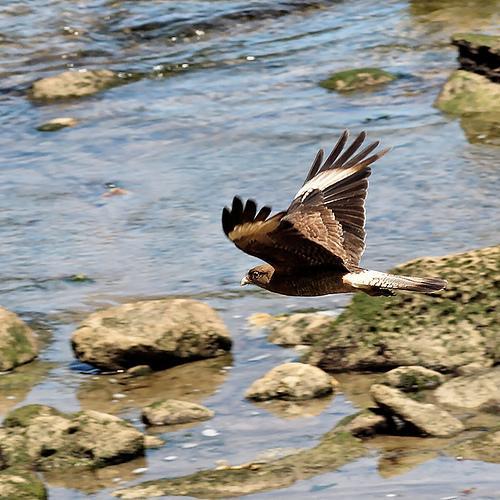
[[245, 281]]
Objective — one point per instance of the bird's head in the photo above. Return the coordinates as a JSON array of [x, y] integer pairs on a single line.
[[260, 276]]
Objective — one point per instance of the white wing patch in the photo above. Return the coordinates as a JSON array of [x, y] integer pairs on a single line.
[[324, 180]]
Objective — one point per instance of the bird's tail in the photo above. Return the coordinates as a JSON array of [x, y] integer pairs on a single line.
[[377, 283]]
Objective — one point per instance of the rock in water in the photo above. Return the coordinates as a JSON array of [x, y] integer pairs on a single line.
[[173, 411], [357, 79], [481, 391], [479, 53], [485, 447], [293, 381], [57, 124], [456, 327], [467, 92], [18, 344], [427, 418], [413, 378], [18, 484], [71, 84], [157, 333], [40, 436]]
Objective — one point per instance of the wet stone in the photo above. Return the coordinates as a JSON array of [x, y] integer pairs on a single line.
[[293, 381], [172, 411], [426, 418], [357, 79], [413, 378]]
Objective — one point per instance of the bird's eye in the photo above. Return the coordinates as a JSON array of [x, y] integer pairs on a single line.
[[255, 275]]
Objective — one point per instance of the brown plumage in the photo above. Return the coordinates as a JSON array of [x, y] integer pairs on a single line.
[[314, 247]]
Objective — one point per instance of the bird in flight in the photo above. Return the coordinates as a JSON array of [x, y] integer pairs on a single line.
[[314, 247]]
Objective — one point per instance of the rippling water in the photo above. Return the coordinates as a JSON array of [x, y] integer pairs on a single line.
[[226, 102]]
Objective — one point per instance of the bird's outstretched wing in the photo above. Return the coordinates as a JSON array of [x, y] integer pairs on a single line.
[[324, 224]]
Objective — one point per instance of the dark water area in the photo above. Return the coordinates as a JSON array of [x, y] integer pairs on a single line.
[[225, 100]]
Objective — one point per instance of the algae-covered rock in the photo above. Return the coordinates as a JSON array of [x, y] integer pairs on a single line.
[[173, 411], [335, 449], [70, 84], [413, 378], [485, 447], [40, 436], [19, 484], [357, 79], [466, 92], [298, 329], [427, 418], [157, 333], [444, 331], [18, 344], [57, 124], [294, 381], [479, 53], [472, 392]]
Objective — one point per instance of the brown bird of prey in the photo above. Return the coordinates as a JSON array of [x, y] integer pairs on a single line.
[[314, 247]]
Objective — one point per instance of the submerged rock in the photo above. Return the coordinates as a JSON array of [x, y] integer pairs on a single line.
[[40, 436], [363, 424], [173, 411], [298, 329], [485, 447], [19, 484], [294, 381], [357, 79], [57, 124], [413, 378], [479, 53], [480, 391], [427, 418], [18, 343], [157, 333], [71, 84], [456, 327], [335, 449], [467, 92]]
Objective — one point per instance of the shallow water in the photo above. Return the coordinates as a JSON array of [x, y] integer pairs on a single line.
[[228, 103]]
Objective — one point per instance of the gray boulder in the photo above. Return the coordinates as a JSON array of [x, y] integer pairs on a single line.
[[293, 381], [173, 411], [427, 418], [480, 391], [18, 343], [157, 333], [413, 378]]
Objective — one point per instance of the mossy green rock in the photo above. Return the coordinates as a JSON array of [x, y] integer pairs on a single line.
[[467, 93], [173, 411], [18, 344], [357, 79], [413, 378], [21, 484], [456, 327], [39, 436]]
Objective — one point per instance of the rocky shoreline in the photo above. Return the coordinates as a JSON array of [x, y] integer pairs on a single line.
[[437, 354]]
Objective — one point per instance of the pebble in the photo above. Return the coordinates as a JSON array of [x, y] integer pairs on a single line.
[[187, 446], [210, 432], [140, 470], [119, 395], [170, 458]]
